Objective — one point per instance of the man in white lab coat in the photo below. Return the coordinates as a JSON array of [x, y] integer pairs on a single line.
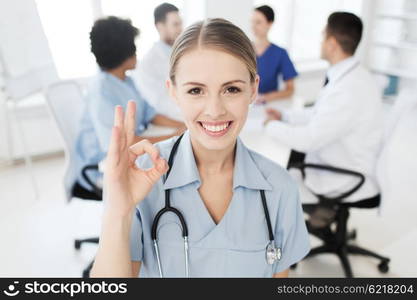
[[344, 127], [152, 72]]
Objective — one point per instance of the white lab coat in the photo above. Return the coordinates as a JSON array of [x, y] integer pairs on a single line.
[[150, 77], [343, 129]]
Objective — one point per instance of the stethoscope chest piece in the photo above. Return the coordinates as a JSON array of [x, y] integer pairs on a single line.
[[273, 254]]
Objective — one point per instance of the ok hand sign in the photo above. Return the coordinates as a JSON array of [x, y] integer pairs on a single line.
[[125, 185]]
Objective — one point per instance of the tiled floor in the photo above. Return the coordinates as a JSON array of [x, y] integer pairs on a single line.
[[37, 235]]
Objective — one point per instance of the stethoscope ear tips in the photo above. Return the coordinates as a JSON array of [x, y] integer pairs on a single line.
[[272, 253]]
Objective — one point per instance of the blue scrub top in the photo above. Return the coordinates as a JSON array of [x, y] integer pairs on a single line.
[[235, 247], [104, 93], [272, 64]]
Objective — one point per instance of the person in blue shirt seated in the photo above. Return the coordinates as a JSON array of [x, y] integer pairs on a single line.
[[113, 45], [273, 62]]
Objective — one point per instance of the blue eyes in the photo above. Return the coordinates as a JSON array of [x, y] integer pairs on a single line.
[[228, 90]]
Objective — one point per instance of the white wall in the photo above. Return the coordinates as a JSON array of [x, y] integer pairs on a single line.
[[193, 11], [238, 14], [368, 19]]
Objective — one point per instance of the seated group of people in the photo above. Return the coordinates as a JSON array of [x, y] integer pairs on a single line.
[[342, 129], [242, 210]]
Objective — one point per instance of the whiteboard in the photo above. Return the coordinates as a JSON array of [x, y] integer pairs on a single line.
[[26, 59]]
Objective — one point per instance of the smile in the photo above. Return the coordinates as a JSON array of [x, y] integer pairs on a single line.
[[215, 128]]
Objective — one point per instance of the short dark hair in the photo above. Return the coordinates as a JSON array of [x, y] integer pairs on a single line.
[[113, 41], [347, 29], [267, 11], [161, 11]]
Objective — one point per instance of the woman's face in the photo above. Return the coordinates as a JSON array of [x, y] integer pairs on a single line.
[[213, 90], [260, 25]]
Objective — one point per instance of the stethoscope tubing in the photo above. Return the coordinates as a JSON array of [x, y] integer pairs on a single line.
[[169, 208]]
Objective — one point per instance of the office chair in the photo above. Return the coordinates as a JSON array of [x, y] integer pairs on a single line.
[[66, 103], [329, 217]]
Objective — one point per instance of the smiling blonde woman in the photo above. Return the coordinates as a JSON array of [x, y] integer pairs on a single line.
[[237, 205]]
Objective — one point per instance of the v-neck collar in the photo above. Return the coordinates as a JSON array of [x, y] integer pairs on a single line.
[[245, 174], [265, 51]]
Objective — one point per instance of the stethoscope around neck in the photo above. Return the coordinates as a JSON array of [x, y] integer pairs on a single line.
[[272, 253]]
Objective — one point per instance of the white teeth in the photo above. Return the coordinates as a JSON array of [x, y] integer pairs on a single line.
[[216, 128]]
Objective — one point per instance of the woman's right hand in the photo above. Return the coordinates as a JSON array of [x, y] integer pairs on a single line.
[[125, 185]]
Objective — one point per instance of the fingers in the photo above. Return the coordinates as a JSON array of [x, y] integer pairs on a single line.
[[130, 122], [113, 154], [144, 146], [159, 169], [118, 116], [119, 123], [160, 164], [116, 139]]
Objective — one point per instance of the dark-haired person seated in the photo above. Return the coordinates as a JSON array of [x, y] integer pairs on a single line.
[[113, 45], [344, 128], [273, 62]]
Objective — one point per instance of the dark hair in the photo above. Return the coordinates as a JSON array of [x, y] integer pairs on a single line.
[[346, 28], [267, 11], [113, 41], [161, 11]]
